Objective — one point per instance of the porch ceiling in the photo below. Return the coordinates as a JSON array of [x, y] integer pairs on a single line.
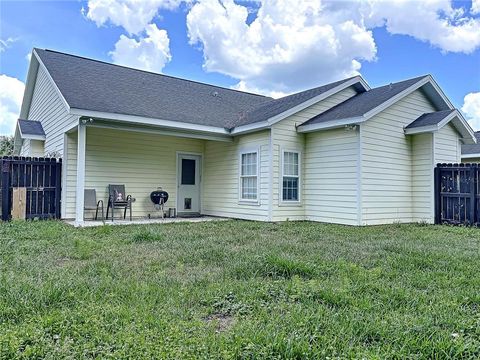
[[151, 129]]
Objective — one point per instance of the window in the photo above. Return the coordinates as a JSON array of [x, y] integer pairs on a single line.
[[290, 176], [188, 171], [248, 176]]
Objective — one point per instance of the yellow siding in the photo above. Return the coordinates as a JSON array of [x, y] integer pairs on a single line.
[[221, 177], [141, 161], [70, 166], [37, 148], [331, 169], [48, 108], [32, 148], [387, 162], [422, 177], [25, 149], [447, 145], [471, 160], [285, 137]]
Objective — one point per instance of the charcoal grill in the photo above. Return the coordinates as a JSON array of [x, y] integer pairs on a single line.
[[159, 197]]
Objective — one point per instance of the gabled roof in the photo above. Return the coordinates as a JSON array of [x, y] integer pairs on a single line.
[[429, 119], [472, 150], [95, 88], [434, 121], [27, 129], [98, 86], [361, 104], [30, 129], [274, 107]]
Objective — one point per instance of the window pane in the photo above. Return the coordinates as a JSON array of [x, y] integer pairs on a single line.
[[249, 164], [290, 188], [188, 172], [290, 163], [249, 188]]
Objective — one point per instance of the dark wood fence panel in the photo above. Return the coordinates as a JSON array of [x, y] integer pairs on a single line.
[[42, 179], [457, 194]]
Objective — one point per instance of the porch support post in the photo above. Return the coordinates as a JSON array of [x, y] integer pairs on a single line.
[[79, 204]]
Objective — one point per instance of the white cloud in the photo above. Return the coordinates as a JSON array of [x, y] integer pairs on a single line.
[[471, 109], [290, 44], [475, 9], [150, 52], [132, 15], [5, 44], [294, 44], [11, 94], [433, 21]]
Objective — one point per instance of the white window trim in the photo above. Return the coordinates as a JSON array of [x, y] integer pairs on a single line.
[[282, 202], [242, 201]]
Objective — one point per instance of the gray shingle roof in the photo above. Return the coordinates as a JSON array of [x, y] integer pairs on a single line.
[[31, 127], [94, 85], [362, 103], [277, 106], [432, 118], [474, 148]]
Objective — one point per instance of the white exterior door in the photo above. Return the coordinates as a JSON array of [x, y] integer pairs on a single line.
[[188, 187]]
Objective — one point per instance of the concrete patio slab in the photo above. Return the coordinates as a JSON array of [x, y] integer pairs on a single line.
[[143, 221]]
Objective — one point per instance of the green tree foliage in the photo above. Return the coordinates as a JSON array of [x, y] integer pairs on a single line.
[[6, 145]]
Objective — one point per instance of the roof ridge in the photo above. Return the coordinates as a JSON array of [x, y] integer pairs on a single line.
[[401, 81], [301, 92], [153, 73], [319, 86]]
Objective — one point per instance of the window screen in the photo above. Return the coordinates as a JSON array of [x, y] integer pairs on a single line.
[[290, 182], [248, 176]]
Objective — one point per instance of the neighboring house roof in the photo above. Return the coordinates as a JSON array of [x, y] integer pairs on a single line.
[[472, 150], [429, 119], [30, 128], [361, 104]]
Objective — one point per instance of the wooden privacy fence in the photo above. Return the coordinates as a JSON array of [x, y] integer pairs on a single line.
[[457, 194], [30, 187]]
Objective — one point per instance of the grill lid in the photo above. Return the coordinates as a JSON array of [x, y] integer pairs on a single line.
[[158, 195]]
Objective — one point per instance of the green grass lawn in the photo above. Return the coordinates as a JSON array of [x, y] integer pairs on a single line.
[[237, 289]]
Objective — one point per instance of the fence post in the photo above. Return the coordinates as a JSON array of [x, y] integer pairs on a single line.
[[58, 184], [471, 173], [5, 189], [437, 197], [476, 179]]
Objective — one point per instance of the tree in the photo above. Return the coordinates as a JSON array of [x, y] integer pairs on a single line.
[[6, 145]]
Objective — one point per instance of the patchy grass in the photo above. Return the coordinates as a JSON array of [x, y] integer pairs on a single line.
[[239, 290]]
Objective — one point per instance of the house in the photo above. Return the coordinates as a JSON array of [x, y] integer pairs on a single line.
[[341, 152], [471, 152]]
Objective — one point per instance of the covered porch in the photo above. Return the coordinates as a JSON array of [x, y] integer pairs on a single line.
[[143, 158]]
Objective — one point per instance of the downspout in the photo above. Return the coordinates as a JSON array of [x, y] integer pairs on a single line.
[[359, 178], [270, 180]]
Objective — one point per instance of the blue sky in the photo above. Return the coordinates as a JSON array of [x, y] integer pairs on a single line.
[[387, 52]]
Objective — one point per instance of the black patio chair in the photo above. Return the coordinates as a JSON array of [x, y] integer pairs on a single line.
[[117, 199], [91, 203]]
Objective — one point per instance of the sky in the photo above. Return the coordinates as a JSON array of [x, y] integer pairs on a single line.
[[273, 47]]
